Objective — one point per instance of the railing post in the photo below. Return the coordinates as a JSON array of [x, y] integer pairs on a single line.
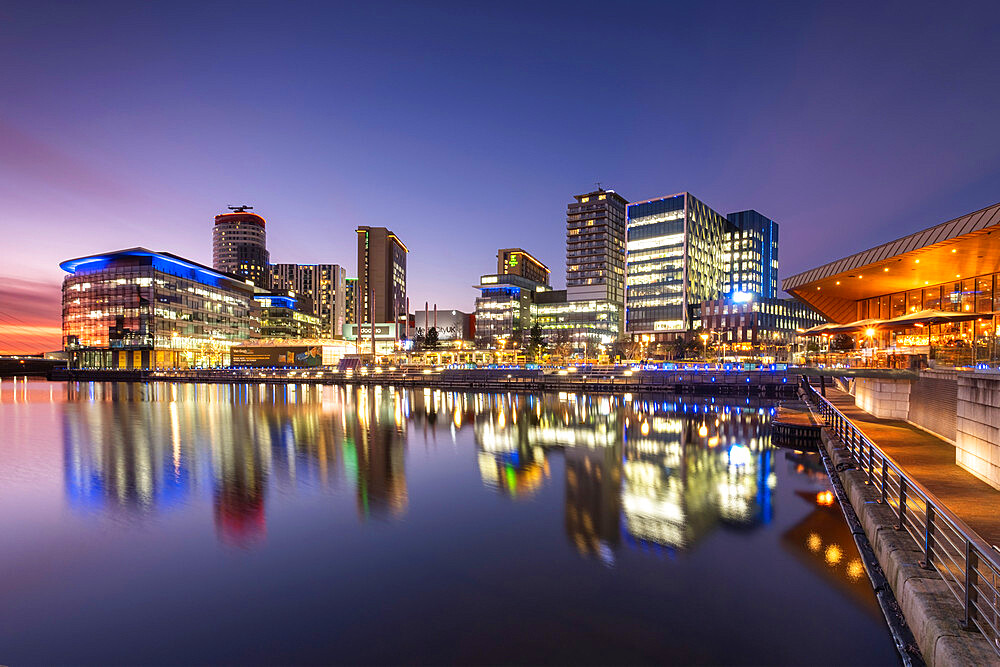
[[971, 574], [871, 461], [926, 563], [884, 475], [902, 502]]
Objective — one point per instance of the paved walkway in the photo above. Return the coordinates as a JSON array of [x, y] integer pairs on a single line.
[[931, 461]]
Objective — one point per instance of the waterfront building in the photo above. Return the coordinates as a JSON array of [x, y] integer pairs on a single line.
[[503, 308], [943, 280], [286, 315], [519, 262], [351, 301], [595, 247], [239, 245], [590, 312], [676, 260], [381, 275], [326, 287], [586, 327], [751, 255], [137, 308], [747, 322]]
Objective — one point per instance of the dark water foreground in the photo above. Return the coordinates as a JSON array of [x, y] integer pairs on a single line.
[[172, 523]]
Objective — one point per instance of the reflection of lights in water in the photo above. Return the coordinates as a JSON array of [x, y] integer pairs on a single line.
[[814, 542], [833, 554], [703, 430], [824, 498], [772, 481], [644, 428], [855, 570], [739, 455]]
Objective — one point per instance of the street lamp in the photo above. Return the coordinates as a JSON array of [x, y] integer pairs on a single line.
[[704, 340]]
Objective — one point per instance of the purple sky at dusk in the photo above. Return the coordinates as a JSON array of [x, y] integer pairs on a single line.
[[466, 128]]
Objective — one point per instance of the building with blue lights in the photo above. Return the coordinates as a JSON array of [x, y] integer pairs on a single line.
[[288, 315], [137, 308], [503, 308], [751, 255]]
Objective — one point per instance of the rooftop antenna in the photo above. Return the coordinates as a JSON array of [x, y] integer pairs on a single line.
[[240, 209], [599, 188]]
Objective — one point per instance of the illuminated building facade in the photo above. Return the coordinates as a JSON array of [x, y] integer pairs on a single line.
[[239, 246], [595, 247], [676, 260], [503, 308], [751, 255], [141, 309], [324, 284], [288, 315], [350, 301], [584, 326], [381, 275], [519, 262], [756, 321], [452, 326], [950, 270]]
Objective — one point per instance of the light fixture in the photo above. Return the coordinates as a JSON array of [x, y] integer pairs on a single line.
[[916, 261], [953, 250], [886, 269]]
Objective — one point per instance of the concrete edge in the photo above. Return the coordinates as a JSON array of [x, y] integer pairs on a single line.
[[930, 609]]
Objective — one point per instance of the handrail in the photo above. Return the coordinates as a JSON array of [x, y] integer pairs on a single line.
[[967, 564]]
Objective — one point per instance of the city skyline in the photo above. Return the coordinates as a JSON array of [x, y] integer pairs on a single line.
[[117, 147]]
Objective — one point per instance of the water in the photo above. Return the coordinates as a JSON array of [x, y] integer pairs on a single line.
[[177, 523]]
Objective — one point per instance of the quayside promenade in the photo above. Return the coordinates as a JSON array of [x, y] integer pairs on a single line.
[[930, 526], [768, 383]]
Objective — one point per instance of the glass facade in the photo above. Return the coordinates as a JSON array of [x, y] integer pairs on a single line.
[[140, 309], [751, 255], [676, 250], [758, 320], [503, 308], [583, 325], [283, 317], [975, 340]]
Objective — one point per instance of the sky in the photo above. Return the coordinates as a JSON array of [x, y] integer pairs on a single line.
[[468, 127]]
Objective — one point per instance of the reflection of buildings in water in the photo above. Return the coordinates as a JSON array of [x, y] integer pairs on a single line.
[[148, 446], [824, 543], [593, 499], [375, 452], [690, 467]]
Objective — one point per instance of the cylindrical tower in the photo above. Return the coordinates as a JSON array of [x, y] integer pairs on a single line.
[[239, 246]]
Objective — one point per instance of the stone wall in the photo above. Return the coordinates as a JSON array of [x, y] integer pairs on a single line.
[[885, 399], [977, 440]]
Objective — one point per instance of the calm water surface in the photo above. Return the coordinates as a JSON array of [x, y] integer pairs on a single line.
[[177, 523]]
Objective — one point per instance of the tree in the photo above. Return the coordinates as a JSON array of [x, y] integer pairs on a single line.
[[679, 346], [536, 343], [431, 339]]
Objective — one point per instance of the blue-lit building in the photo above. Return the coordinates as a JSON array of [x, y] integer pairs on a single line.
[[287, 314], [503, 308], [751, 255], [137, 308]]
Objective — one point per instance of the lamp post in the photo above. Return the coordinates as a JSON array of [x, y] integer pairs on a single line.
[[704, 339]]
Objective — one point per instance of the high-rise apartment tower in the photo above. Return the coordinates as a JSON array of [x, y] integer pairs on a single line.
[[239, 245]]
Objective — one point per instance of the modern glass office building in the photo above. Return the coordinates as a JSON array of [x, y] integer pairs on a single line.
[[676, 251], [141, 309], [583, 325], [503, 308], [288, 315], [751, 256]]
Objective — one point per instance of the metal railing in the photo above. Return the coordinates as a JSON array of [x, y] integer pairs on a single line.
[[966, 563]]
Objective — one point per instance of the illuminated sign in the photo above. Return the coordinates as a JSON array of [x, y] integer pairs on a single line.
[[742, 297]]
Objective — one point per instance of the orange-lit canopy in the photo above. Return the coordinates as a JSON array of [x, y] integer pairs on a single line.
[[965, 247]]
